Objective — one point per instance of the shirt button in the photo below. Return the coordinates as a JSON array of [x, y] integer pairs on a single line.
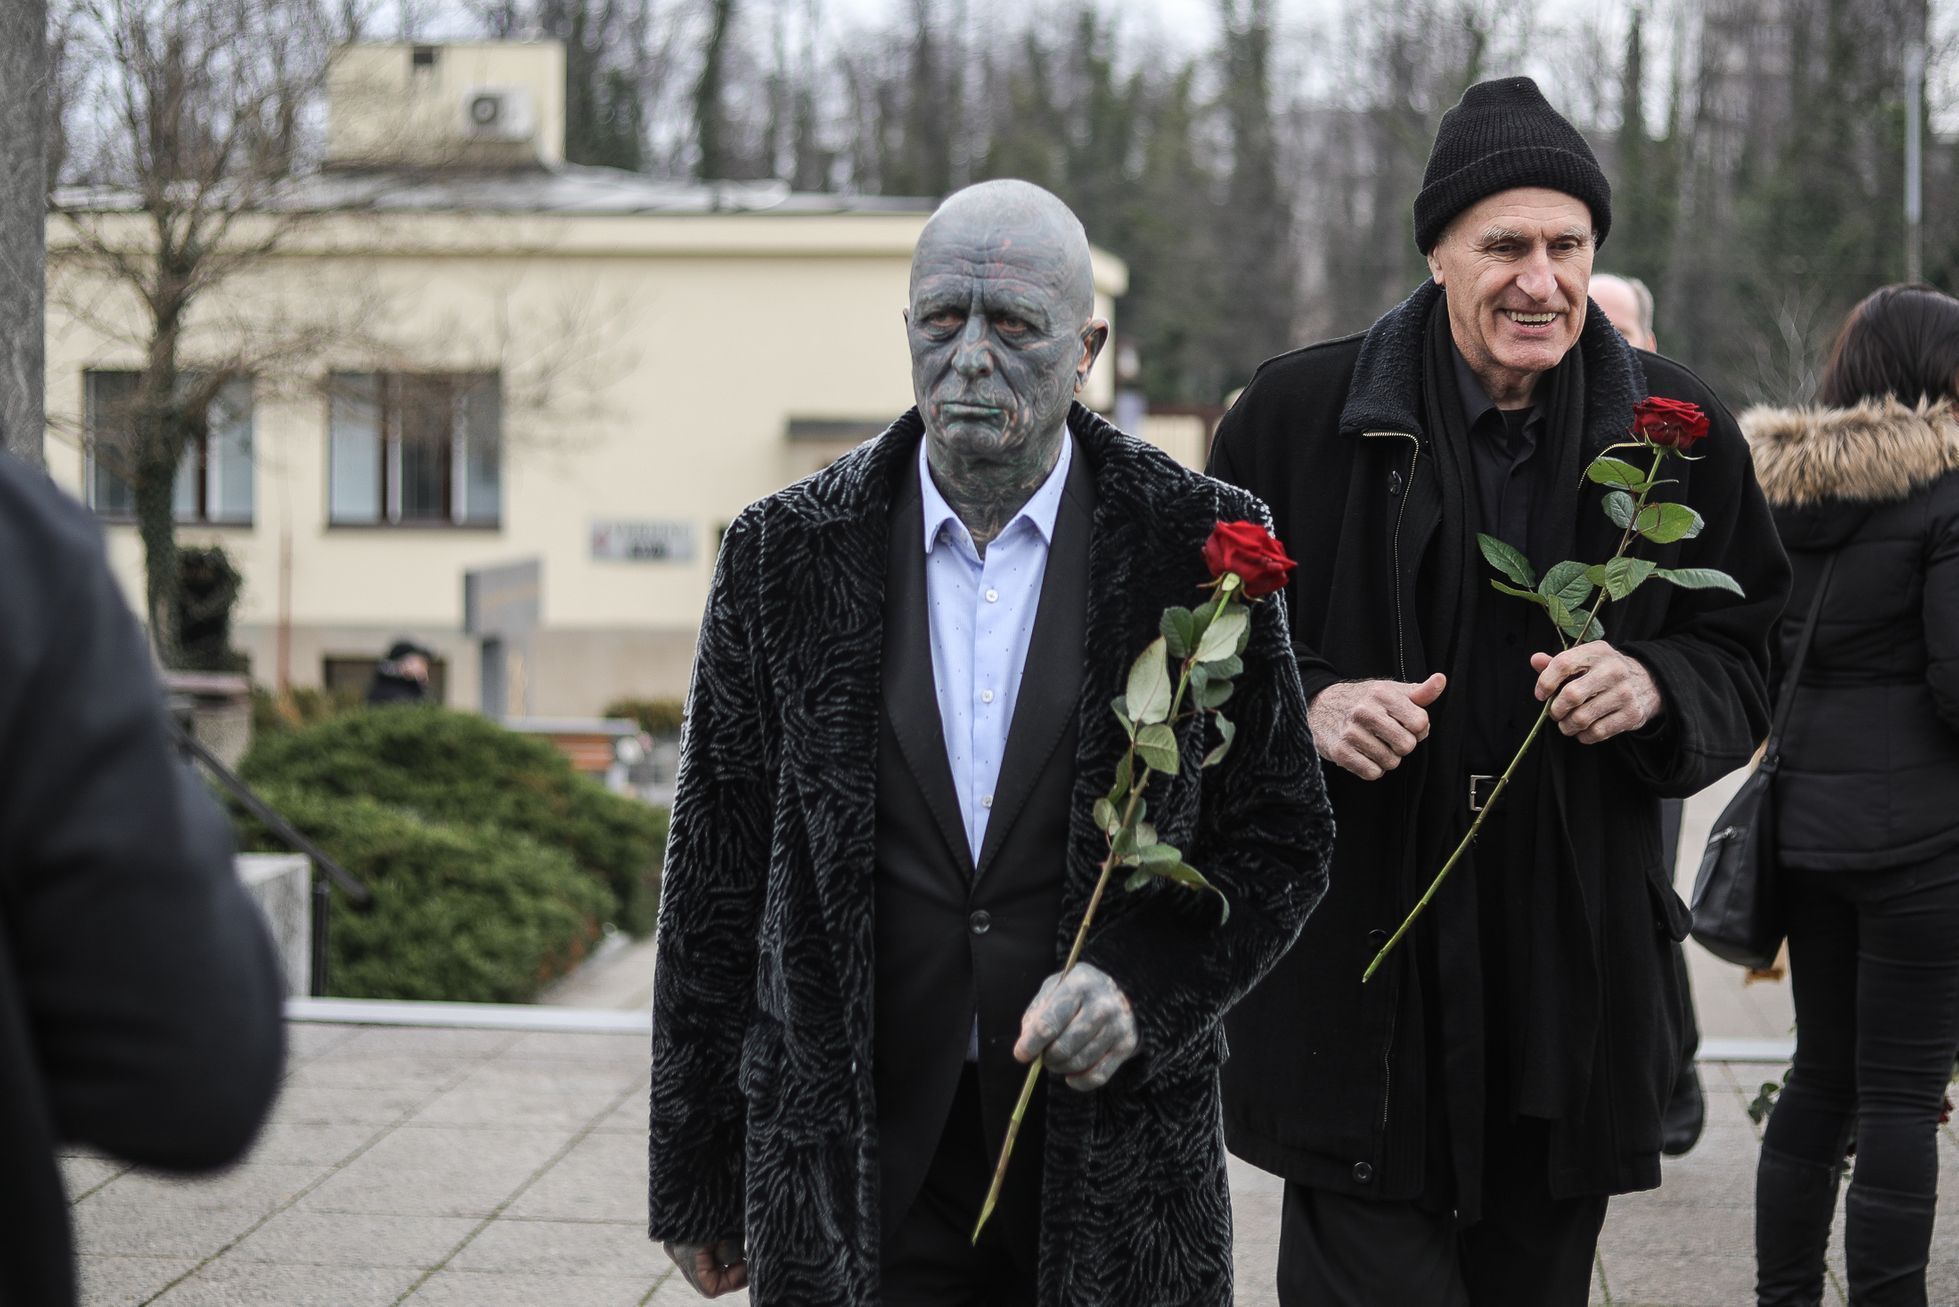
[[1363, 1173], [986, 696], [980, 922], [1376, 938], [986, 800], [993, 596]]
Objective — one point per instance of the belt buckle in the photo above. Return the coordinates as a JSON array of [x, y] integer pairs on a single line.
[[1480, 788]]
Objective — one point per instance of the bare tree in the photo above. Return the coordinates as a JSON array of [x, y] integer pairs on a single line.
[[194, 166], [23, 185]]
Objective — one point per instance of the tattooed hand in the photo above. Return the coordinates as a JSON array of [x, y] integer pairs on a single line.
[[1083, 1024], [712, 1269]]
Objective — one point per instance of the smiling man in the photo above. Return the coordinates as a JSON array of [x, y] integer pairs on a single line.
[[1451, 1132], [882, 842]]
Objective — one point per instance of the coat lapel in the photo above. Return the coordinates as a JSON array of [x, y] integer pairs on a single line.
[[910, 696], [1051, 681]]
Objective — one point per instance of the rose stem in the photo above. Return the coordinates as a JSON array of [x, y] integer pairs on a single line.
[[1081, 937]]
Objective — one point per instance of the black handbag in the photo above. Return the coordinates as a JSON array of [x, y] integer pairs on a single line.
[[1737, 915]]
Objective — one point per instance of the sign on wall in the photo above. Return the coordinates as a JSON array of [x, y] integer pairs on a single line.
[[643, 542]]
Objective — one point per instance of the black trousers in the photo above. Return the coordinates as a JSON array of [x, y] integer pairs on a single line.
[[1529, 1250], [1876, 972], [930, 1259]]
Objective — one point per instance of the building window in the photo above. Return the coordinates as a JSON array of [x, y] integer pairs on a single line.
[[414, 449], [215, 477]]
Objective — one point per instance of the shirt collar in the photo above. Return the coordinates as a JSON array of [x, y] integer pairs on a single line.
[[1477, 404], [1040, 510]]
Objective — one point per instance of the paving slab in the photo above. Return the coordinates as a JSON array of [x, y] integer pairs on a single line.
[[127, 1281], [474, 1289], [303, 1237], [425, 1171], [567, 1248], [258, 1284]]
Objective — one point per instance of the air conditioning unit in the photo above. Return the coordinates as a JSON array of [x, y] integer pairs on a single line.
[[498, 113]]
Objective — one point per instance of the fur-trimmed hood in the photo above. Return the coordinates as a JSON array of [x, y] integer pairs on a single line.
[[1874, 453]]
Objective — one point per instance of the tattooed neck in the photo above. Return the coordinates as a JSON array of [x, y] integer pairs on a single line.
[[987, 494]]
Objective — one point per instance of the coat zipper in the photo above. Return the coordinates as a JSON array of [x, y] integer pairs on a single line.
[[1401, 666], [1414, 461]]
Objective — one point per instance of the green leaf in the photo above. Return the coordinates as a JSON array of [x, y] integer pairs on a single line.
[[1619, 506], [1179, 632], [1226, 668], [1214, 694], [1120, 705], [1225, 636], [1125, 771], [1624, 574], [1138, 879], [1156, 745], [1699, 578], [1506, 560], [1227, 732], [1104, 816], [1160, 852], [1574, 625], [1665, 523], [1616, 472], [1145, 836], [1566, 582], [1531, 595], [1560, 613], [1149, 685]]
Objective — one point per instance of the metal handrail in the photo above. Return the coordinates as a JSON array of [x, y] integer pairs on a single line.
[[349, 884]]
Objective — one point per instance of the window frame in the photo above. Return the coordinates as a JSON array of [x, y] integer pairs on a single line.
[[388, 433], [197, 456]]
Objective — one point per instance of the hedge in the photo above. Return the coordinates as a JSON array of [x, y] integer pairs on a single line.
[[461, 768], [460, 913]]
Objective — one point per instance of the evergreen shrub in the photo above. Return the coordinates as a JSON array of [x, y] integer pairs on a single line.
[[457, 767]]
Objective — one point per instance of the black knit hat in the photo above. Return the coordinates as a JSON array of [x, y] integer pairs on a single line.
[[1504, 134]]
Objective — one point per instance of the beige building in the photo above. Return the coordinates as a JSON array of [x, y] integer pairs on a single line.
[[478, 358]]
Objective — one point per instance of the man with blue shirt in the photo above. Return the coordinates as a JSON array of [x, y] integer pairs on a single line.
[[881, 842]]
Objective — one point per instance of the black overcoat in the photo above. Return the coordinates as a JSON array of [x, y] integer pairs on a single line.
[[1337, 439], [140, 994], [762, 1096]]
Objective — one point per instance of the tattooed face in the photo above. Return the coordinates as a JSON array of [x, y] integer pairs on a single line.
[[1001, 326]]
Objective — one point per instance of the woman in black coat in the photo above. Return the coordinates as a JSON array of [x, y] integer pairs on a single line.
[[1867, 799]]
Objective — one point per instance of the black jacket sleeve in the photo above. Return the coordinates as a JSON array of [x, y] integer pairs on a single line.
[[145, 973]]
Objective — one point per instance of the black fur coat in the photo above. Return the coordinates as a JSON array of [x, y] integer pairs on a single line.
[[762, 1099]]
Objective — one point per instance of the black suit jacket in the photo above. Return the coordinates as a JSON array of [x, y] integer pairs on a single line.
[[955, 938], [139, 993]]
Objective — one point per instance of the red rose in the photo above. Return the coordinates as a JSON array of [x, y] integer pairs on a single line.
[[1670, 422], [1249, 550]]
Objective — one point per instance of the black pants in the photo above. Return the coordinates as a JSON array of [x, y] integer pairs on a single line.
[[1529, 1250], [930, 1259], [1876, 974]]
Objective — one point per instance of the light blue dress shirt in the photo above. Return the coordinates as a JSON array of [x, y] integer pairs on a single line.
[[981, 617]]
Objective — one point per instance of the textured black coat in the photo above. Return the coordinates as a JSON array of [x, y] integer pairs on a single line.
[[139, 993], [762, 1098], [1870, 763], [1330, 1080]]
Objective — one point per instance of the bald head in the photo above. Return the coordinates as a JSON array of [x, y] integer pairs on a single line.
[[987, 221], [1002, 328], [1629, 304]]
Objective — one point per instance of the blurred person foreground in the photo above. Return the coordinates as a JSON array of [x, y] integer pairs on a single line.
[[139, 990]]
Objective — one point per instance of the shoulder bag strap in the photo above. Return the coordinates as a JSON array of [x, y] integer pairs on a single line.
[[1771, 754]]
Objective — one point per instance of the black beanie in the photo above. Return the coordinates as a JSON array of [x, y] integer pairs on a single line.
[[1504, 134]]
